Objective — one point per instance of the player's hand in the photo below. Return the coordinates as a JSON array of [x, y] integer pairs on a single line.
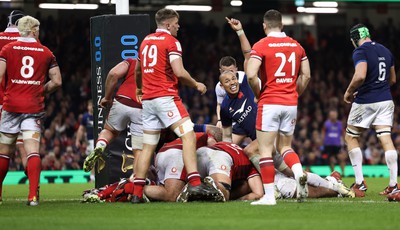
[[77, 144], [348, 97], [219, 124], [234, 23], [105, 103], [139, 95], [201, 88]]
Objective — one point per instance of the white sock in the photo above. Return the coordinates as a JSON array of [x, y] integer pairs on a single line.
[[269, 191], [317, 181], [391, 161], [356, 159], [297, 170], [101, 143]]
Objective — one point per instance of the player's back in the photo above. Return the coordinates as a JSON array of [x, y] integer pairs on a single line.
[[242, 168], [281, 57], [9, 35], [157, 74], [128, 86], [376, 86], [28, 63]]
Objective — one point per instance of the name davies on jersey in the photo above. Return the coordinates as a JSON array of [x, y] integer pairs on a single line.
[[284, 80], [25, 82]]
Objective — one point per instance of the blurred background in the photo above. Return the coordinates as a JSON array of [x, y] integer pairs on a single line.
[[321, 28]]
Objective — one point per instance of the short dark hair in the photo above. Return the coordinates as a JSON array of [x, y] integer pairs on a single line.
[[227, 61], [273, 19], [14, 16], [165, 14]]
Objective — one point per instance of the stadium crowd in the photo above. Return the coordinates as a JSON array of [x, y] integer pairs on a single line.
[[204, 44]]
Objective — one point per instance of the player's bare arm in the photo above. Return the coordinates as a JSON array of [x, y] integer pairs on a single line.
[[55, 80], [3, 66], [392, 78], [138, 75], [304, 76], [253, 67], [358, 79], [236, 25], [184, 76], [227, 133], [117, 72]]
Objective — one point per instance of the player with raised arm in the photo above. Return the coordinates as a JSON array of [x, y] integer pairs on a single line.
[[158, 70], [373, 105], [284, 73], [229, 63], [25, 65]]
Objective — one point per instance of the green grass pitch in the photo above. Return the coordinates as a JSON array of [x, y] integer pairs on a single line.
[[60, 208]]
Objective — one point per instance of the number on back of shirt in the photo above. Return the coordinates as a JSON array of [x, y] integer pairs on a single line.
[[149, 55], [291, 59], [27, 67], [382, 71]]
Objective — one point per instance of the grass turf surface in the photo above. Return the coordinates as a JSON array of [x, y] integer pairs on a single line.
[[60, 208]]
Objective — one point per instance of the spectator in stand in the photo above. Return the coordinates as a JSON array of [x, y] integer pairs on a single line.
[[332, 134]]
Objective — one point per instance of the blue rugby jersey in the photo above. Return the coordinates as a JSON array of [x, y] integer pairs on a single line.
[[376, 86], [240, 111], [87, 122]]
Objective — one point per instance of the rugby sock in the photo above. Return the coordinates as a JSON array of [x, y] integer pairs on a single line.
[[317, 181], [292, 160], [4, 164], [356, 159], [256, 161], [107, 191], [391, 161], [194, 178], [267, 170], [138, 184], [269, 191], [101, 142], [34, 168]]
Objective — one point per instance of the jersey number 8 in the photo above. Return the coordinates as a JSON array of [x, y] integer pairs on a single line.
[[27, 67]]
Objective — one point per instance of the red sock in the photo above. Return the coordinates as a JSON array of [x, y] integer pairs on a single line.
[[4, 164], [290, 157], [194, 178], [34, 168], [267, 170], [138, 185]]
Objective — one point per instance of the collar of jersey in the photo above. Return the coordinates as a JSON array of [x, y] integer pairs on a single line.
[[24, 39], [11, 30], [277, 34], [163, 30]]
